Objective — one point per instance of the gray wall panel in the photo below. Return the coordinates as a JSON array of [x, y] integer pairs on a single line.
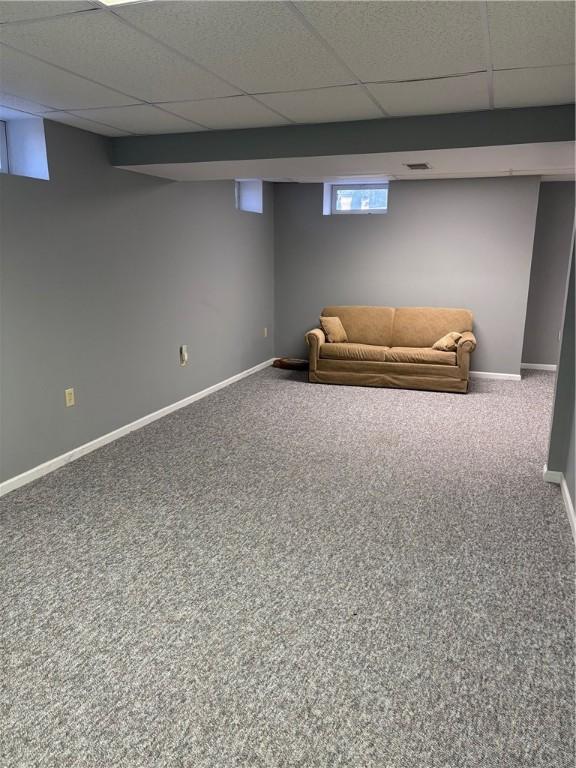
[[552, 244], [455, 243], [104, 274], [561, 448]]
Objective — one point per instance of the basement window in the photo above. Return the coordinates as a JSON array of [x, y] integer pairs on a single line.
[[355, 198], [249, 195]]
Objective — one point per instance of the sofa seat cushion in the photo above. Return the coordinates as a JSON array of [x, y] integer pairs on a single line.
[[351, 351], [419, 355]]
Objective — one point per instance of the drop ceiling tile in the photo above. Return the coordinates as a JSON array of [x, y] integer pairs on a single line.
[[84, 124], [34, 80], [233, 112], [525, 34], [537, 86], [402, 40], [6, 113], [258, 46], [13, 102], [433, 97], [139, 119], [349, 102], [100, 46], [22, 10]]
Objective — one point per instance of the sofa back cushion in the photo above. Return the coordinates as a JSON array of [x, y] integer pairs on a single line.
[[366, 325], [422, 326]]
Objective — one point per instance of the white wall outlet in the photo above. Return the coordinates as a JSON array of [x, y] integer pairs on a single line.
[[265, 332], [70, 397], [184, 355]]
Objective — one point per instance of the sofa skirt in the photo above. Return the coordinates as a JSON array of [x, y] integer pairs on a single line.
[[432, 383]]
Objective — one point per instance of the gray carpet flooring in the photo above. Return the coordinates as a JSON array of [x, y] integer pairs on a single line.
[[292, 575]]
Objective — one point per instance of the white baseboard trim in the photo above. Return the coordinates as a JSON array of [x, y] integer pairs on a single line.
[[489, 375], [537, 367], [59, 461], [551, 476], [569, 504]]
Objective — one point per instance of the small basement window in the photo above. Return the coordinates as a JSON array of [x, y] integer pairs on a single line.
[[355, 198], [249, 195]]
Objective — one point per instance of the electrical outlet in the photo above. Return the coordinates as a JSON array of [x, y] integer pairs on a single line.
[[265, 332], [184, 355], [70, 398]]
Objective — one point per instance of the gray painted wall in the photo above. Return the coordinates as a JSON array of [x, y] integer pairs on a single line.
[[455, 243], [561, 448], [550, 260], [104, 274]]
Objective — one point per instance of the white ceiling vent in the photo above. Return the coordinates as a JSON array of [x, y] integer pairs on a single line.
[[418, 166]]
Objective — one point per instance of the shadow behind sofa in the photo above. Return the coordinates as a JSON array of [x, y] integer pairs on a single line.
[[390, 347]]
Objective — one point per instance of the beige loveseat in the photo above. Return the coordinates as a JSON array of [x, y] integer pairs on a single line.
[[390, 347]]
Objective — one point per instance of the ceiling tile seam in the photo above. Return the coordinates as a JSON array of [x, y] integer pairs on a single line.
[[127, 106], [534, 66], [48, 107], [190, 60], [426, 79], [330, 50], [140, 102], [23, 22], [71, 113], [22, 111], [488, 52], [181, 117], [71, 72]]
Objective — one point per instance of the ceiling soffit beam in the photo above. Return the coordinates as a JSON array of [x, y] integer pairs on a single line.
[[463, 129]]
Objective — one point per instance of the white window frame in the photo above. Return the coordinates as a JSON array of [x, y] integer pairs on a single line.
[[4, 168], [333, 194]]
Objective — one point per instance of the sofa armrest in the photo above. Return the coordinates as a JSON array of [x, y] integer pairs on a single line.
[[466, 345], [314, 338], [467, 342]]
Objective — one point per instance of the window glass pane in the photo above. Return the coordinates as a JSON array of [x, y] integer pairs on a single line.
[[361, 199]]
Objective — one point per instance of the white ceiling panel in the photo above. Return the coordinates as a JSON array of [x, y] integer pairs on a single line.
[[233, 112], [402, 40], [429, 97], [139, 119], [349, 102], [13, 102], [258, 46], [537, 86], [84, 124], [100, 46], [22, 10], [36, 81], [6, 113], [531, 34]]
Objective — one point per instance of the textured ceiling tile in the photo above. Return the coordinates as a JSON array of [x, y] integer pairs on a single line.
[[35, 81], [537, 86], [22, 10], [258, 46], [429, 97], [103, 48], [233, 112], [13, 102], [524, 34], [140, 119], [324, 105], [85, 125], [402, 40]]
